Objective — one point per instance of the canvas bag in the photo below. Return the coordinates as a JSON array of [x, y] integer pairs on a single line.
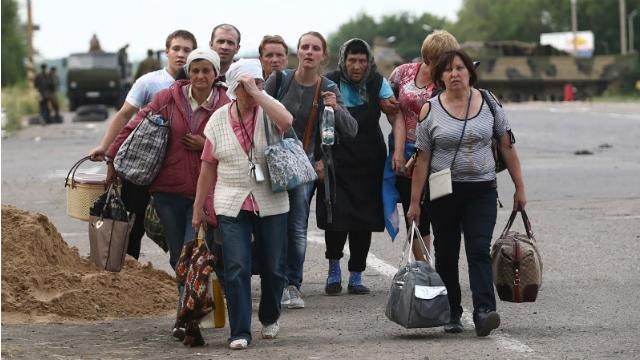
[[109, 229], [440, 183], [417, 297], [287, 162], [141, 155], [516, 263]]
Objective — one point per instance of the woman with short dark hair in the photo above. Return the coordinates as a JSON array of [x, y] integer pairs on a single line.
[[456, 134]]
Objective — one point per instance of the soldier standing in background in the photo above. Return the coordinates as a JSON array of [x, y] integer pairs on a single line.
[[52, 94], [148, 65]]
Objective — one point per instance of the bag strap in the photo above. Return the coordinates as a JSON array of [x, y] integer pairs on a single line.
[[525, 221], [266, 130], [313, 115], [464, 127], [409, 242]]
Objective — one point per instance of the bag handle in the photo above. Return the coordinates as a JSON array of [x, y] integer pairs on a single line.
[[72, 172], [266, 130], [525, 221], [413, 232]]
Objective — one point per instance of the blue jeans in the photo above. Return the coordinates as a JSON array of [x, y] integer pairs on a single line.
[[175, 212], [271, 246], [299, 206], [472, 210]]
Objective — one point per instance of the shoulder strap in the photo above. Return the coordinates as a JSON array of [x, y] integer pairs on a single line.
[[488, 99], [313, 115], [333, 76], [279, 77]]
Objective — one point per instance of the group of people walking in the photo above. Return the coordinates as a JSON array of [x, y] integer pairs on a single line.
[[213, 171]]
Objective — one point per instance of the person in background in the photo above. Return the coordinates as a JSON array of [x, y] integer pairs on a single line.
[[359, 165], [178, 46], [274, 54], [42, 83], [413, 86], [52, 93], [187, 104], [472, 207], [244, 203], [305, 93], [149, 64], [225, 40]]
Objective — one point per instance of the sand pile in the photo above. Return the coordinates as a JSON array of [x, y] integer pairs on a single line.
[[44, 279]]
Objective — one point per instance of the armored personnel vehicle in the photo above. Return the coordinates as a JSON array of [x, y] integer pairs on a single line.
[[97, 78], [518, 71]]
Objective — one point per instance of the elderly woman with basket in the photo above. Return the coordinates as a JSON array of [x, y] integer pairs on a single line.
[[185, 107], [234, 159], [455, 152]]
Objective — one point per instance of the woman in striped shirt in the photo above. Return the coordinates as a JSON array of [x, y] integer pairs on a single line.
[[458, 120]]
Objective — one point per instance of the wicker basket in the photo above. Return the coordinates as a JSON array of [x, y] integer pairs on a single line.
[[83, 189]]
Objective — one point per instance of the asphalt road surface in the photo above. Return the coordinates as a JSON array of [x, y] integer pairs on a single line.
[[585, 212]]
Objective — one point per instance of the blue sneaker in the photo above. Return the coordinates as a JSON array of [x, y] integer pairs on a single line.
[[355, 284]]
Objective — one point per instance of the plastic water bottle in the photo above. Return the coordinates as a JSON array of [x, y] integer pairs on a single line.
[[328, 126]]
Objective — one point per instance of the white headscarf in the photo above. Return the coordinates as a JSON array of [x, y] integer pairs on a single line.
[[205, 54], [251, 67]]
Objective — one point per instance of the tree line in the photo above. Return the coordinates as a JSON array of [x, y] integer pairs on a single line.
[[494, 20]]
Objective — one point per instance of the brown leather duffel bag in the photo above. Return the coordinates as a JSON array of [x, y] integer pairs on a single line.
[[516, 263]]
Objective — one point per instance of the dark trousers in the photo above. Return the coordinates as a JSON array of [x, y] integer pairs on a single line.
[[359, 244], [472, 210], [135, 198], [403, 184]]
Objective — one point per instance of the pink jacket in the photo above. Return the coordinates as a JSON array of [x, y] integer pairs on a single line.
[[181, 167]]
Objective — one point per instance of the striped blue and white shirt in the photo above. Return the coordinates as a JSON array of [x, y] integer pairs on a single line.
[[474, 161]]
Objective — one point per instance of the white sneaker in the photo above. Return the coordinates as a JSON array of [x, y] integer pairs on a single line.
[[238, 344], [286, 299], [295, 298], [270, 331]]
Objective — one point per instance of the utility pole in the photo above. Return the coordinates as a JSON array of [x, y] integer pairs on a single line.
[[623, 27], [574, 26], [30, 68], [631, 30]]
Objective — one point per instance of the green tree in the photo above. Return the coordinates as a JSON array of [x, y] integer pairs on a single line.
[[525, 20], [408, 31], [13, 45]]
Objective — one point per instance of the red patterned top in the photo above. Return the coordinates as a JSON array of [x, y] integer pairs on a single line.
[[410, 97]]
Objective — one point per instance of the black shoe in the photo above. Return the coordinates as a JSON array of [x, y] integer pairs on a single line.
[[178, 331], [333, 288], [358, 289], [454, 326], [486, 321]]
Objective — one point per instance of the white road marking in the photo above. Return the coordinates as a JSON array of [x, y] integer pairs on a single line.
[[58, 174], [503, 340]]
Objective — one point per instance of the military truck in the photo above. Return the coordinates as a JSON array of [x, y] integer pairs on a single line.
[[519, 71], [97, 77]]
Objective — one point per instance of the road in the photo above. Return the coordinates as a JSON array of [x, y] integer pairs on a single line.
[[585, 211]]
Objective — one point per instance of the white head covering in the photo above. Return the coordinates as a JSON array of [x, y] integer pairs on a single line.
[[251, 67], [206, 54]]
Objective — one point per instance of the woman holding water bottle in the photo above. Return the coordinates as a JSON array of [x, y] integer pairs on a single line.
[[306, 94]]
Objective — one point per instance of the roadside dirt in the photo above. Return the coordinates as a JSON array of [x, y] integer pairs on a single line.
[[44, 280]]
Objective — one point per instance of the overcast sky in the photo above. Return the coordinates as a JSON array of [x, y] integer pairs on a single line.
[[67, 25]]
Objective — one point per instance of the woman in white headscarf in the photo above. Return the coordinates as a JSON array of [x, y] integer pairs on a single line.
[[233, 158]]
